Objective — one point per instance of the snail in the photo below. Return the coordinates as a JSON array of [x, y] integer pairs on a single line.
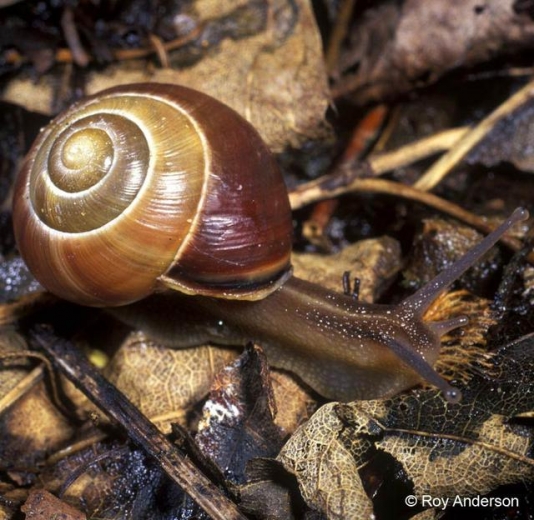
[[165, 204]]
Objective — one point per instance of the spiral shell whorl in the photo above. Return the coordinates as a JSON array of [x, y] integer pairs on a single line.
[[78, 161], [79, 171], [181, 192], [134, 188]]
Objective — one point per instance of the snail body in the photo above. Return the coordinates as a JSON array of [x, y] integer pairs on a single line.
[[188, 235]]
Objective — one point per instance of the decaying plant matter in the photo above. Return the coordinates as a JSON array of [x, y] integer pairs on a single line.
[[403, 132]]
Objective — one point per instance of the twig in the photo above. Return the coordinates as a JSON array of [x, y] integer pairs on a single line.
[[65, 55], [314, 228], [80, 57], [339, 33], [76, 447], [413, 152], [447, 162], [31, 379], [73, 364], [333, 187], [159, 47], [384, 162], [21, 388]]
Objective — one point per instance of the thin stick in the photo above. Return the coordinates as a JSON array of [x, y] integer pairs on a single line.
[[339, 32], [421, 149], [65, 55], [21, 388], [310, 192], [75, 366], [447, 162], [70, 31], [333, 187]]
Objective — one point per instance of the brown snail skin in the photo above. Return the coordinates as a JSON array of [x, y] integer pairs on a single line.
[[166, 205]]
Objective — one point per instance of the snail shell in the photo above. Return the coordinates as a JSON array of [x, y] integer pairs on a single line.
[[152, 182]]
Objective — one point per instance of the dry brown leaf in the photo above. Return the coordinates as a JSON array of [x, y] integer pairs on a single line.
[[509, 141], [438, 245], [237, 421], [445, 450], [30, 423], [399, 46], [274, 77], [294, 403], [267, 494], [165, 383], [325, 467], [42, 505], [375, 262], [476, 469], [110, 480], [12, 343], [31, 429]]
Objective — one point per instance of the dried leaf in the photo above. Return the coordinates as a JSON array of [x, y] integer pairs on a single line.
[[475, 446], [165, 383], [445, 450], [42, 505], [275, 76], [237, 422], [441, 243], [294, 402], [30, 423], [12, 343], [509, 141], [267, 494], [399, 46], [326, 468], [375, 262], [110, 480]]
